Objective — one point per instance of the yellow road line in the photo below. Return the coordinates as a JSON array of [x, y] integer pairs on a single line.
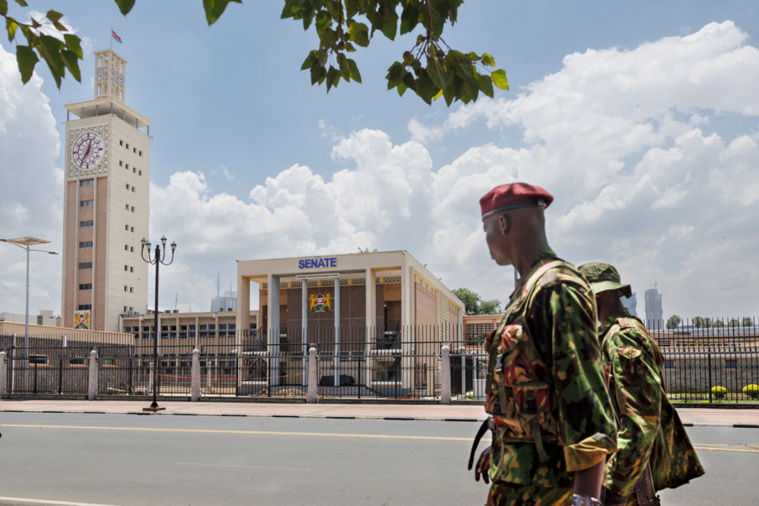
[[706, 447], [240, 432], [725, 449]]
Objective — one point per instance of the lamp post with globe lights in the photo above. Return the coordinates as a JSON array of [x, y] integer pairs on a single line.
[[156, 259]]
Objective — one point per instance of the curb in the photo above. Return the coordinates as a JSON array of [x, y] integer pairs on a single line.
[[255, 415]]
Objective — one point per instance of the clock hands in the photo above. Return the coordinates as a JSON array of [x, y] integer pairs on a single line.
[[86, 153]]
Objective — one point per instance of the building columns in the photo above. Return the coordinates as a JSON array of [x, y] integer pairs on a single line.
[[272, 301]]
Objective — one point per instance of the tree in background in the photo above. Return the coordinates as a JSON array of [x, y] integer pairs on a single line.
[[673, 322], [430, 68], [698, 322], [733, 323], [475, 305], [747, 321], [718, 324]]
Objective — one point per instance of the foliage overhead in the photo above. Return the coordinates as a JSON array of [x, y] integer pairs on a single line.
[[430, 68]]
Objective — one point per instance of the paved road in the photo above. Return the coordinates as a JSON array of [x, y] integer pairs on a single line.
[[189, 460]]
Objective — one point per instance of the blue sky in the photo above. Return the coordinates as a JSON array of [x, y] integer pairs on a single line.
[[640, 117]]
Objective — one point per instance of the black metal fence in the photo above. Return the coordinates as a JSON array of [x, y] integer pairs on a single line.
[[710, 360], [701, 364]]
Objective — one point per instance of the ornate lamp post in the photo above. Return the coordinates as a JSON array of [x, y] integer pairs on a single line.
[[26, 243], [156, 259]]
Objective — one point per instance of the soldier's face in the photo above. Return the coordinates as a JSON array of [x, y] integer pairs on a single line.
[[495, 235]]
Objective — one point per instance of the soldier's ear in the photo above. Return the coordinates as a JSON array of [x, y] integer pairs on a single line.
[[504, 223]]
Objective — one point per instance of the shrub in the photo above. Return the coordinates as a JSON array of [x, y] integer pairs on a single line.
[[719, 392], [752, 391]]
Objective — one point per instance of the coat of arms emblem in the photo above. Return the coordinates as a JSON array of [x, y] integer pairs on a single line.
[[320, 302]]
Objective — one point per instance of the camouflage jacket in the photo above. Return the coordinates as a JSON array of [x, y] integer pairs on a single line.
[[649, 427], [559, 315]]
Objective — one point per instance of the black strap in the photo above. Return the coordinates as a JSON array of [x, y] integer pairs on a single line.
[[486, 424]]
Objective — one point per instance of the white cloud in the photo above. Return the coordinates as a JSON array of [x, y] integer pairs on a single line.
[[30, 193], [620, 138]]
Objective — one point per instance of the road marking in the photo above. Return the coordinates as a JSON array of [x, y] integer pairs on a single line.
[[706, 446], [241, 467], [725, 448], [45, 501], [240, 432]]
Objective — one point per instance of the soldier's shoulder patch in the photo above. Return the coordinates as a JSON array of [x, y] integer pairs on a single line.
[[628, 352]]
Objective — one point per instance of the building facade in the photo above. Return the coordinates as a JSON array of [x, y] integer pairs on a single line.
[[106, 203], [381, 305]]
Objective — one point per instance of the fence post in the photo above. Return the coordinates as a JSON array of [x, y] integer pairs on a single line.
[[445, 377], [3, 375], [92, 387], [195, 390], [312, 383]]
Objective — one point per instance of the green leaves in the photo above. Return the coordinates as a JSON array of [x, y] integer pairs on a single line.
[[431, 69], [214, 8], [61, 52], [452, 75], [125, 6], [499, 79], [26, 59]]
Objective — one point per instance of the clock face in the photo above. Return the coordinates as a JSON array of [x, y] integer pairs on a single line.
[[87, 150]]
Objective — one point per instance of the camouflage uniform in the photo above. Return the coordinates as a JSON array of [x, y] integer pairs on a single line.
[[649, 428], [543, 434]]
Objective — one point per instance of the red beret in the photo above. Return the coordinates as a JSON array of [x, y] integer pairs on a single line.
[[514, 195]]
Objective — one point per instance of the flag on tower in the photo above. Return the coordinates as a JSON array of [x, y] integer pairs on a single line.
[[116, 36]]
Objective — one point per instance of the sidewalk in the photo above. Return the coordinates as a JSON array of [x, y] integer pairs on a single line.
[[691, 417]]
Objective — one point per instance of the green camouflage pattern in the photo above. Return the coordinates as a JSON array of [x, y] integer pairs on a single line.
[[553, 386], [649, 428], [502, 494]]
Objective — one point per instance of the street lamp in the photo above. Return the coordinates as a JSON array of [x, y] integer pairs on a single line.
[[157, 259], [26, 243]]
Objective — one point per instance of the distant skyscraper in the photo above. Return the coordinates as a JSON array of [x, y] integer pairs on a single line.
[[106, 198], [654, 312], [224, 302], [631, 304]]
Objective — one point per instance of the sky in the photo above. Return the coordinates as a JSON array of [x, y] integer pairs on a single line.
[[642, 119]]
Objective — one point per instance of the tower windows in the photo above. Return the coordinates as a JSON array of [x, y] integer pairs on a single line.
[[84, 307], [86, 203], [85, 244], [86, 182], [86, 223], [85, 265], [85, 286]]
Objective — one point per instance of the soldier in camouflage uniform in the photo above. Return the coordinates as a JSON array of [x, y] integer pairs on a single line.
[[551, 419], [654, 449]]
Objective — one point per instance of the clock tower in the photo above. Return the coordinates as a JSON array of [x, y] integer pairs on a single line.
[[106, 203]]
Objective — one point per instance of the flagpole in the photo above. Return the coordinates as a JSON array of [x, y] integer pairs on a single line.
[[111, 39]]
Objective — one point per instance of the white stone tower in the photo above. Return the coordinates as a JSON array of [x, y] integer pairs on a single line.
[[106, 203]]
